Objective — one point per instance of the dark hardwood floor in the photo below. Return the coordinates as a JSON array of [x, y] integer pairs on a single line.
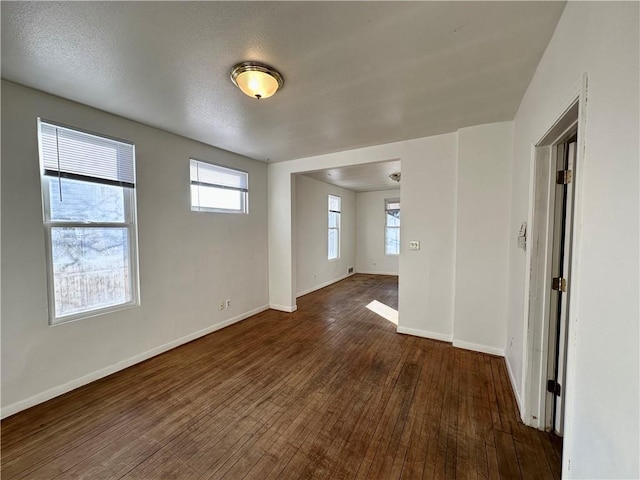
[[330, 392]]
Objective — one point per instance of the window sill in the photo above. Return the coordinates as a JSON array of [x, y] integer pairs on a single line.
[[93, 313]]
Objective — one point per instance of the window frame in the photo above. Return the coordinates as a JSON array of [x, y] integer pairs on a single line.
[[336, 228], [244, 199], [388, 201], [130, 223]]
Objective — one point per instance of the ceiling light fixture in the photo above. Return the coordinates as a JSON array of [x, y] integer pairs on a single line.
[[395, 176], [256, 79]]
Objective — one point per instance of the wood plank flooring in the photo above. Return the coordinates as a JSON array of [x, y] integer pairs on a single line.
[[328, 392]]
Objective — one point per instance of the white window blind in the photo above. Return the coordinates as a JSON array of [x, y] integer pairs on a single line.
[[393, 206], [218, 189], [334, 204], [83, 156]]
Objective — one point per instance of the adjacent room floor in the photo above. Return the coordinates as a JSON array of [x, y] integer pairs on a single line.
[[330, 391]]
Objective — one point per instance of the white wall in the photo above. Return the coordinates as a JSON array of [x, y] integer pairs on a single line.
[[313, 268], [281, 218], [426, 283], [188, 261], [602, 415], [371, 234], [482, 236]]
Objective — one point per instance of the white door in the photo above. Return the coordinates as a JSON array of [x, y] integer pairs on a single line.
[[560, 271]]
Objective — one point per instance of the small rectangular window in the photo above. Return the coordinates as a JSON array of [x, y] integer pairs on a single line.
[[218, 189], [334, 227], [392, 226], [88, 193]]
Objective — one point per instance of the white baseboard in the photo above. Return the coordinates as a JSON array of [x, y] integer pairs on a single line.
[[476, 347], [516, 391], [79, 382], [283, 308], [394, 274], [425, 334], [322, 285]]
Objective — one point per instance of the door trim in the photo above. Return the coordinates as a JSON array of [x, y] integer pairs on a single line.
[[537, 280]]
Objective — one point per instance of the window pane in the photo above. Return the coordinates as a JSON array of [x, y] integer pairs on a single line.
[[333, 243], [85, 201], [217, 198], [334, 219], [393, 220], [392, 243], [90, 268]]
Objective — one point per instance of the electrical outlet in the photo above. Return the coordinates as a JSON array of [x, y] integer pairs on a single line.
[[227, 303], [414, 245], [221, 305]]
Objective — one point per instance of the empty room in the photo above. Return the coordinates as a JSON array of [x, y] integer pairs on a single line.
[[332, 240]]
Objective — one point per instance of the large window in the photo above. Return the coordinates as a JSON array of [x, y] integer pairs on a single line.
[[334, 227], [392, 226], [88, 192], [218, 189]]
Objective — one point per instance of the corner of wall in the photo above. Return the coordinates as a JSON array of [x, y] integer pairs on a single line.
[[514, 387]]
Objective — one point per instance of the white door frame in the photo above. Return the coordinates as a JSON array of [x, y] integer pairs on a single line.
[[537, 282]]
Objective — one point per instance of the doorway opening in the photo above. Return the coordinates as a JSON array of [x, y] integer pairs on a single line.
[[552, 273], [366, 229]]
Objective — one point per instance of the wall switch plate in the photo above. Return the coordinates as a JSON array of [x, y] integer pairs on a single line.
[[414, 245]]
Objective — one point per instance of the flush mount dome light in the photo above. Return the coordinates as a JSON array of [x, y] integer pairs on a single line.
[[256, 79], [395, 176]]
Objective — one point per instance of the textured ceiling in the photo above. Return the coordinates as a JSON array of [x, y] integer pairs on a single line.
[[356, 73], [366, 177]]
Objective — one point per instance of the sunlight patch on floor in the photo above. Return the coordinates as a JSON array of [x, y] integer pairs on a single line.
[[384, 311]]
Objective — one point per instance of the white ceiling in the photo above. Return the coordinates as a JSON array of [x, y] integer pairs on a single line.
[[360, 178], [356, 73]]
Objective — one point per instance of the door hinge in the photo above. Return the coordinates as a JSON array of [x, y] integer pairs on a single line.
[[563, 177], [554, 387], [559, 284]]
